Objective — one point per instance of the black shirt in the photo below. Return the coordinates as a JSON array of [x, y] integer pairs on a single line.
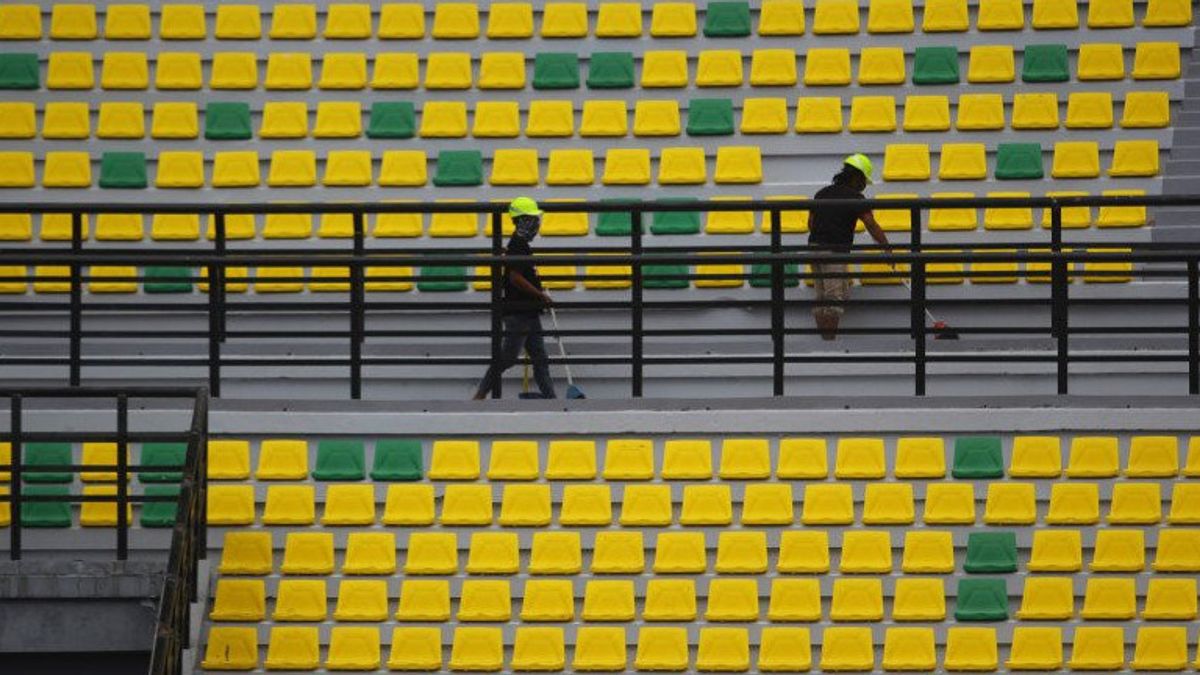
[[833, 226], [517, 300]]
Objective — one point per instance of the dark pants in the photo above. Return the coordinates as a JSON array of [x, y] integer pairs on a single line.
[[521, 331]]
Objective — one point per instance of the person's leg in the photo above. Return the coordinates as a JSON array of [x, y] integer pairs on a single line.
[[535, 346], [831, 291], [510, 353]]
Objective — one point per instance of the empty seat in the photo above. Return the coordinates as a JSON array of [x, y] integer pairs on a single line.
[[667, 69], [804, 552], [21, 22], [873, 114], [935, 65], [906, 161], [1047, 598], [773, 68], [290, 505], [1100, 61], [991, 63], [824, 66], [231, 648], [1119, 551], [1098, 648], [835, 17], [781, 17], [845, 648], [1089, 110]]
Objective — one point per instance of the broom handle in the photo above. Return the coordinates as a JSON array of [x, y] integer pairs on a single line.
[[907, 285], [561, 350]]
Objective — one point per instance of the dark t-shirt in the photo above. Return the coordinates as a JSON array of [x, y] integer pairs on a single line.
[[517, 300], [833, 226]]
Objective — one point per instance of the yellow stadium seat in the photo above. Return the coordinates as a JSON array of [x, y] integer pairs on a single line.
[[70, 21], [856, 600], [945, 16], [1135, 158], [600, 648], [991, 63], [294, 22], [670, 600], [401, 21], [353, 648], [361, 600], [682, 166], [424, 600], [1100, 61], [801, 458], [928, 552], [1122, 216], [525, 506], [492, 553], [745, 458], [909, 161], [182, 22], [347, 168], [408, 504], [539, 648], [1047, 599], [294, 647], [601, 118], [514, 166], [626, 166], [67, 169], [175, 227], [794, 600], [618, 553], [866, 552], [1153, 457], [971, 649], [454, 460], [1074, 504], [565, 20], [680, 553], [292, 168], [289, 71], [230, 70], [1146, 110], [284, 119], [570, 167], [121, 120], [835, 17], [979, 112], [1119, 551], [501, 70], [803, 552], [873, 114], [395, 70], [1010, 504], [732, 600], [789, 221], [619, 19], [1000, 15], [238, 22], [1076, 159], [513, 460], [1035, 457], [18, 120], [301, 600], [444, 119], [448, 70], [819, 115], [920, 457], [673, 19], [1178, 551], [174, 121], [1110, 14], [919, 599], [719, 68], [909, 649], [949, 504], [888, 504], [728, 222], [859, 458], [586, 505], [944, 219], [825, 66], [349, 21], [183, 71], [661, 649], [827, 505], [23, 22], [343, 70], [767, 504], [16, 170], [510, 20], [476, 649], [124, 70], [723, 649], [1098, 648], [687, 459], [1135, 504], [881, 65], [890, 16], [666, 69], [496, 119], [247, 553], [1093, 457], [467, 505], [70, 70], [1055, 15], [431, 553], [963, 161], [355, 505], [656, 118], [738, 164], [550, 119], [764, 116], [119, 227], [1089, 110], [231, 504], [231, 648], [571, 460], [1035, 111], [1001, 218], [706, 505], [289, 504], [1170, 599], [629, 459], [773, 68], [1185, 505], [1160, 648]]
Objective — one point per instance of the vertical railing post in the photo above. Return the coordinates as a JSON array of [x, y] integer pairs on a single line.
[[1193, 308], [497, 319], [357, 309], [777, 272], [202, 477], [76, 336], [14, 478], [637, 309], [216, 287], [122, 477], [917, 305], [1058, 301]]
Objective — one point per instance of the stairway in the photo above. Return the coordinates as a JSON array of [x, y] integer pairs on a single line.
[[1182, 168]]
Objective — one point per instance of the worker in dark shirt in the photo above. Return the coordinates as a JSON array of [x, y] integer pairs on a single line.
[[523, 300], [832, 228]]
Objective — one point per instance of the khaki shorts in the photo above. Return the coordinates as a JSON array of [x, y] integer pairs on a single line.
[[831, 290]]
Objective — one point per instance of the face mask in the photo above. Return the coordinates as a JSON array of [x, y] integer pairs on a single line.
[[527, 226]]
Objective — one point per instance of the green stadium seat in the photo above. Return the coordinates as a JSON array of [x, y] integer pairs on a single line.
[[162, 454], [665, 276], [935, 65], [981, 600], [710, 117], [675, 222], [19, 71], [159, 514], [393, 119], [991, 552], [397, 459], [727, 19], [168, 279], [610, 70], [340, 460], [46, 514], [615, 223], [978, 457], [48, 454], [227, 122], [459, 167], [1019, 161], [556, 70], [1045, 63], [123, 170], [760, 275], [442, 279]]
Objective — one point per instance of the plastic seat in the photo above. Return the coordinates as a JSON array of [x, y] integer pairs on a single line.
[[1119, 551], [1093, 457], [835, 17], [741, 553], [803, 552], [538, 648], [293, 648], [909, 649], [1153, 457], [1098, 648], [510, 21], [971, 649], [353, 648], [70, 21], [1045, 63], [431, 553], [1160, 648], [22, 22], [619, 19], [102, 454], [19, 71], [231, 504], [348, 22], [1109, 599], [819, 115], [300, 600], [282, 459], [723, 649], [476, 648], [361, 600], [293, 22], [991, 552], [600, 648], [827, 505], [182, 22], [873, 114], [825, 67], [69, 70], [1135, 158], [935, 65], [367, 552], [888, 504], [670, 600], [1185, 505], [1035, 457], [553, 70], [773, 68], [231, 648], [980, 112], [504, 70], [706, 505], [288, 71], [665, 69], [1178, 551], [794, 600], [881, 66], [928, 552], [1170, 600], [246, 553], [801, 458], [738, 165], [238, 22], [467, 505], [1047, 599], [290, 505], [1100, 61], [981, 600], [656, 118], [525, 506], [719, 68], [618, 553], [866, 552], [1110, 14], [456, 21], [99, 514], [608, 601], [845, 648], [856, 600], [600, 119], [680, 553], [424, 600], [1010, 504], [906, 162], [1074, 504], [492, 553], [343, 71], [610, 70], [588, 505], [1089, 110], [990, 64], [454, 460], [673, 19], [1135, 504], [662, 648], [124, 71], [963, 161], [18, 120], [949, 504], [236, 169], [408, 505]]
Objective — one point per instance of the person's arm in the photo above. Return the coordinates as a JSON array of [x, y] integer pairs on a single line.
[[875, 231], [522, 283]]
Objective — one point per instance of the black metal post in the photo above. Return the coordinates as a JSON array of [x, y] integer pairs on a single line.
[[636, 309], [357, 309], [917, 306], [216, 313], [76, 299], [1193, 307], [497, 320], [122, 477], [1058, 303], [14, 492], [777, 336]]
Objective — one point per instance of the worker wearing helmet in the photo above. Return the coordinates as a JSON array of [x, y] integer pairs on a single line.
[[831, 228], [523, 300]]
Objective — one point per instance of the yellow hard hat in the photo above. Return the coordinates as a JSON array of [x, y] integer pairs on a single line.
[[862, 163], [523, 206]]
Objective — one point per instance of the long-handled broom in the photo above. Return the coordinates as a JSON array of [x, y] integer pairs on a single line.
[[941, 330], [572, 390]]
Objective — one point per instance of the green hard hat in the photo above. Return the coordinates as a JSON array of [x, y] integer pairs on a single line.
[[523, 206], [863, 164]]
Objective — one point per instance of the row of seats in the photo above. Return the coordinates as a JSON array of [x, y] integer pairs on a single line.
[[57, 514], [187, 227], [1106, 598], [597, 118], [707, 505], [779, 649], [823, 67], [623, 551], [515, 20], [732, 165]]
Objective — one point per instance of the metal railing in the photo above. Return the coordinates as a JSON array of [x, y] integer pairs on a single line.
[[1058, 257], [189, 533]]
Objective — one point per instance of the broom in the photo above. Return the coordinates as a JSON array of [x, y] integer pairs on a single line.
[[941, 330], [572, 390]]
